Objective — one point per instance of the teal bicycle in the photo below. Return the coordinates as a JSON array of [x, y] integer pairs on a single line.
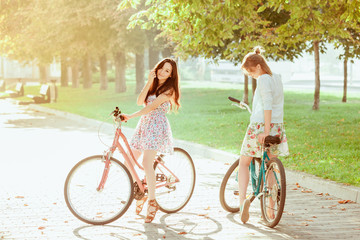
[[268, 182]]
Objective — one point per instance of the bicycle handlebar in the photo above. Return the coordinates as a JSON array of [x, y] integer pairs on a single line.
[[234, 100], [117, 114], [240, 104]]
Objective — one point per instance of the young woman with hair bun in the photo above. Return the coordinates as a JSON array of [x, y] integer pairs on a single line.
[[267, 118]]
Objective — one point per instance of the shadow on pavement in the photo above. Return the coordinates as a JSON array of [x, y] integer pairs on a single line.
[[179, 226], [266, 231]]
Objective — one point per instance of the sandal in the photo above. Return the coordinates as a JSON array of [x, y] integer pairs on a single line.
[[153, 207], [244, 211], [140, 204]]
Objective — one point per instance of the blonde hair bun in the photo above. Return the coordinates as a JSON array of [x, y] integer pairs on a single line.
[[258, 50]]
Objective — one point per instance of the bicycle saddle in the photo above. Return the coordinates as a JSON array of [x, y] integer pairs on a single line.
[[271, 140]]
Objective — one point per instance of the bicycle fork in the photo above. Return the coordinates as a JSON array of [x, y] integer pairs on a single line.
[[106, 158]]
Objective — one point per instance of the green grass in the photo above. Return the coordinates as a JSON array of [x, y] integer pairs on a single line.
[[325, 143]]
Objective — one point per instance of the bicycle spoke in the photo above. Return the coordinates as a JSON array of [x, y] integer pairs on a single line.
[[93, 206], [175, 195]]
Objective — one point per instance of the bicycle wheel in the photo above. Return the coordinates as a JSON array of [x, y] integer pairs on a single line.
[[174, 196], [229, 189], [93, 206], [272, 202]]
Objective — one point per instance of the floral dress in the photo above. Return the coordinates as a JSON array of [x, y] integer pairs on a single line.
[[153, 131], [251, 146]]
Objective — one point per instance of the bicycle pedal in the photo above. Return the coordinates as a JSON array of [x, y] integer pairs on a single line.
[[160, 177]]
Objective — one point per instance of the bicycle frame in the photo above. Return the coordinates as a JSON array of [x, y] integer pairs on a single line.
[[130, 162], [256, 189]]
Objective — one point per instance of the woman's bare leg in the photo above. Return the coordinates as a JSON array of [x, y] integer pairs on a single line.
[[270, 183], [243, 177], [148, 163]]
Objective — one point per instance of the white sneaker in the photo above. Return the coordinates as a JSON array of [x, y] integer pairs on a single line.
[[244, 213]]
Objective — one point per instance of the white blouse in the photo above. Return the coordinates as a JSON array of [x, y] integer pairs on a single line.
[[269, 95]]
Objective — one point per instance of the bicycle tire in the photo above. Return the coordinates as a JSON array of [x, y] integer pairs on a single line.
[[174, 197], [98, 207], [229, 188], [276, 168]]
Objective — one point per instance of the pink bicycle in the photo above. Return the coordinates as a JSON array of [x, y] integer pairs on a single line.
[[100, 189]]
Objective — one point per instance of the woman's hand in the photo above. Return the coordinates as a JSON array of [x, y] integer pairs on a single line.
[[152, 76], [261, 137], [125, 117]]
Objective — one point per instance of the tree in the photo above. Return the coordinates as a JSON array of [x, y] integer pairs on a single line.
[[235, 28], [314, 23], [351, 50]]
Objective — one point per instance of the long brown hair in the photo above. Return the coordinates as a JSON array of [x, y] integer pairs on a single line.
[[253, 59], [172, 83]]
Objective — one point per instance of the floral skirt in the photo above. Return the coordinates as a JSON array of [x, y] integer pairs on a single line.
[[251, 146]]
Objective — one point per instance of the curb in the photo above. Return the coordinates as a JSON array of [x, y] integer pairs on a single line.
[[303, 179]]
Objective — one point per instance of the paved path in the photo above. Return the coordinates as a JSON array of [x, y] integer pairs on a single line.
[[38, 150]]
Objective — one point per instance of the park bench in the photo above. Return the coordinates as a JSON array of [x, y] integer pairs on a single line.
[[44, 96], [19, 90], [2, 85]]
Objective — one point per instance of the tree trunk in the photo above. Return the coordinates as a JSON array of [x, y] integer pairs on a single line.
[[345, 80], [103, 72], [42, 73], [64, 79], [75, 75], [317, 76], [246, 89], [140, 72], [86, 72], [120, 68], [153, 57]]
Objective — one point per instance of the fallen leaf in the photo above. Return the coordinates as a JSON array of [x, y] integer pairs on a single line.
[[44, 219], [306, 191], [182, 233], [294, 189], [65, 221], [309, 220], [26, 205], [328, 198], [345, 201], [54, 203], [227, 163], [208, 208], [314, 216], [19, 197], [343, 209], [137, 234], [41, 228], [202, 215], [321, 194], [164, 237]]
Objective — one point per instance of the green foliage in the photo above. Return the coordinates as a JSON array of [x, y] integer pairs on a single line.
[[219, 29]]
